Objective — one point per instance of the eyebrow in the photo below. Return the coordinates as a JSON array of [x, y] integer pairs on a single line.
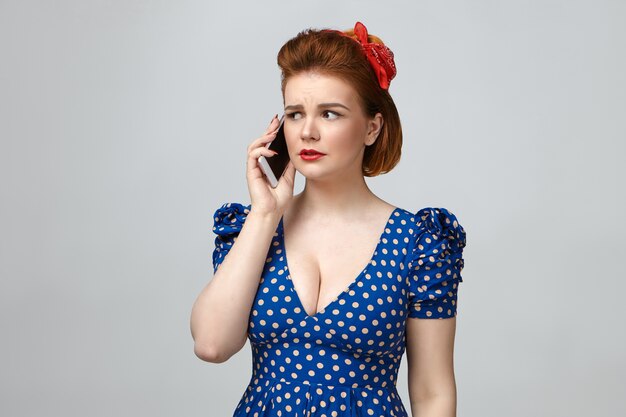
[[320, 106]]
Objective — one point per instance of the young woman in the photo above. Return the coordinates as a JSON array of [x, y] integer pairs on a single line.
[[332, 285]]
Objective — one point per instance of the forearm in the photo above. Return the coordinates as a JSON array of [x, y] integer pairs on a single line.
[[220, 314]]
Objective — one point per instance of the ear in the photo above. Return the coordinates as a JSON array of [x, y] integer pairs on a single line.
[[374, 127]]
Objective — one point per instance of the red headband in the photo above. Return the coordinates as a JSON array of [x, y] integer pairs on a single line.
[[379, 55]]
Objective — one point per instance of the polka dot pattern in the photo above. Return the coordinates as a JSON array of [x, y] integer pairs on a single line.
[[344, 360]]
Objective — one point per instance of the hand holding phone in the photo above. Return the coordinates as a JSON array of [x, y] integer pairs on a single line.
[[274, 167]]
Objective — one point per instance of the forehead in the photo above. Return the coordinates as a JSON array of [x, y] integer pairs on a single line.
[[312, 87]]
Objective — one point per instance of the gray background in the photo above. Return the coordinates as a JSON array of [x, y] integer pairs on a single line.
[[124, 125]]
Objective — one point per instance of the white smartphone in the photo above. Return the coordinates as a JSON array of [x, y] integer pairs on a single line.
[[274, 167]]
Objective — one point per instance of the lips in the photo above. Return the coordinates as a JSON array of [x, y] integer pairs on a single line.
[[310, 152]]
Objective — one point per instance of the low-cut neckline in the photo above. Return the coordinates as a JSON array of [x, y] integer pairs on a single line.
[[354, 282]]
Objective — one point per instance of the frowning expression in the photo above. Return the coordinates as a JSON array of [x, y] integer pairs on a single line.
[[324, 113]]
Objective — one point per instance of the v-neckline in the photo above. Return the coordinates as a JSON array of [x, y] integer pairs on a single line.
[[348, 288]]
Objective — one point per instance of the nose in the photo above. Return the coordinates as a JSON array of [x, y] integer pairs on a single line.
[[309, 129]]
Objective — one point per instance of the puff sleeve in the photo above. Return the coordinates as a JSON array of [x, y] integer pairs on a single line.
[[435, 264], [228, 221]]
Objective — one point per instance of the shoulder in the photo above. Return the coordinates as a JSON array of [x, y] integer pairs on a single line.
[[435, 226], [229, 218], [439, 220]]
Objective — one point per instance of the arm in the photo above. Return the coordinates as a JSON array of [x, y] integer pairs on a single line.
[[430, 351], [220, 314]]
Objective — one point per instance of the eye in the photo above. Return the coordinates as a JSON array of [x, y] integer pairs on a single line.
[[331, 113], [293, 115]]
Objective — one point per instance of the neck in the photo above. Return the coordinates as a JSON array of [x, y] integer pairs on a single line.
[[344, 198]]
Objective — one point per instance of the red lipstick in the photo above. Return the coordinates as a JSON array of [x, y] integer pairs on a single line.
[[310, 154]]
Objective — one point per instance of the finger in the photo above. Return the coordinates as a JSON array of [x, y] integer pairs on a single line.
[[262, 151], [253, 167], [262, 141], [271, 127]]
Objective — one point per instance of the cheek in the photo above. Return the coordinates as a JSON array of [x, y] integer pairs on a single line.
[[340, 140], [345, 140]]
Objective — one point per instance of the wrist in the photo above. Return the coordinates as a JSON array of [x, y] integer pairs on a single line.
[[271, 216]]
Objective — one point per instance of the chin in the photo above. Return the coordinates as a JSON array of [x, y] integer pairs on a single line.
[[317, 174], [312, 173]]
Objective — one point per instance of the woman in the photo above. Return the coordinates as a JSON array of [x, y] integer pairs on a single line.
[[329, 322]]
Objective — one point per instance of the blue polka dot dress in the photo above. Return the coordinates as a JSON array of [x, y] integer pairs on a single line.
[[344, 360]]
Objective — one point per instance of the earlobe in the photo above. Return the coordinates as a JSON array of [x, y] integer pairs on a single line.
[[373, 138], [370, 139]]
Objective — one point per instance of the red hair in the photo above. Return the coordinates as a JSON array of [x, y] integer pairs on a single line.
[[331, 53]]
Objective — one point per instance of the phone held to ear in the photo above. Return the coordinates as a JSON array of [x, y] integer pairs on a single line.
[[274, 167]]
